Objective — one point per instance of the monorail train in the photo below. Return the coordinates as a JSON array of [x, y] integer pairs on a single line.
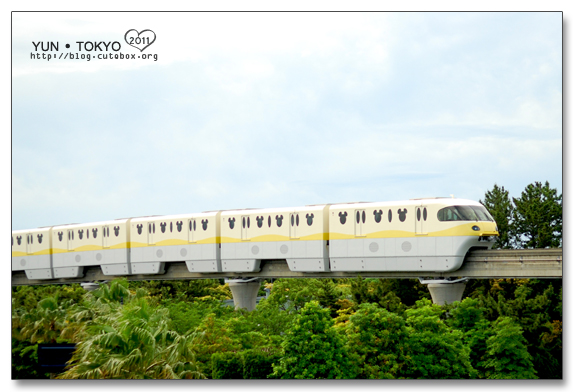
[[426, 235]]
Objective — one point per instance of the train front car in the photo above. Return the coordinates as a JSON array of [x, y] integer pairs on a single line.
[[427, 235]]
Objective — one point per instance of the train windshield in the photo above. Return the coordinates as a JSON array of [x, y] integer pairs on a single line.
[[464, 213]]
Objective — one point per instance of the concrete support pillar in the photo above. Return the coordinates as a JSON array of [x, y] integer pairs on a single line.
[[245, 292], [445, 291]]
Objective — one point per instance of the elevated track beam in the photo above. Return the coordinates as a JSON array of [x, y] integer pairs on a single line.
[[484, 264]]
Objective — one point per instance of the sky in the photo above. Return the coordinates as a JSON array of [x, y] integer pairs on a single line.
[[263, 110]]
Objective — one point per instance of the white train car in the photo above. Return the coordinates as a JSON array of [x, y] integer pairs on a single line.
[[427, 235], [193, 238], [298, 235], [32, 253], [104, 244]]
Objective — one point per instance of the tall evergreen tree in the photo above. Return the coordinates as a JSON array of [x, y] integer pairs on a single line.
[[507, 356], [376, 340], [538, 217], [499, 205], [313, 348]]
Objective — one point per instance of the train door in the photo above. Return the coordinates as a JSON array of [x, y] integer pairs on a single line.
[[420, 220], [245, 227], [359, 223], [70, 245], [294, 224], [191, 230], [105, 236], [151, 232], [29, 239]]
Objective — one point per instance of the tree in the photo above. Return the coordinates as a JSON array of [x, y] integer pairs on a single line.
[[468, 317], [44, 324], [133, 341], [436, 352], [313, 348], [327, 296], [376, 340], [536, 308], [293, 294], [391, 294], [507, 356], [499, 205], [538, 217]]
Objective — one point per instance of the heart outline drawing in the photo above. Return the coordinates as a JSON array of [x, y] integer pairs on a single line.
[[138, 46]]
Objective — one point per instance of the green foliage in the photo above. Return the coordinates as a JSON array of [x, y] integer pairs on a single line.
[[258, 363], [391, 294], [27, 297], [507, 356], [248, 364], [187, 316], [376, 341], [499, 205], [534, 309], [468, 317], [293, 294], [43, 324], [184, 290], [216, 338], [538, 217], [25, 361], [313, 348], [133, 342], [327, 296], [435, 351], [227, 365]]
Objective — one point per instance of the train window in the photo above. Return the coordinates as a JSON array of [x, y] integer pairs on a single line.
[[248, 222], [292, 220], [482, 213], [171, 226], [363, 216], [244, 222], [194, 225], [270, 221], [389, 215], [297, 220], [464, 213], [191, 226], [424, 214], [357, 216], [418, 214]]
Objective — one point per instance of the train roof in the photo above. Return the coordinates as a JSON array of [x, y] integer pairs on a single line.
[[90, 224], [315, 207], [446, 201]]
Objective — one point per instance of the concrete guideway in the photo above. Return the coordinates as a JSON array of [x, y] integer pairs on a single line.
[[483, 264]]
